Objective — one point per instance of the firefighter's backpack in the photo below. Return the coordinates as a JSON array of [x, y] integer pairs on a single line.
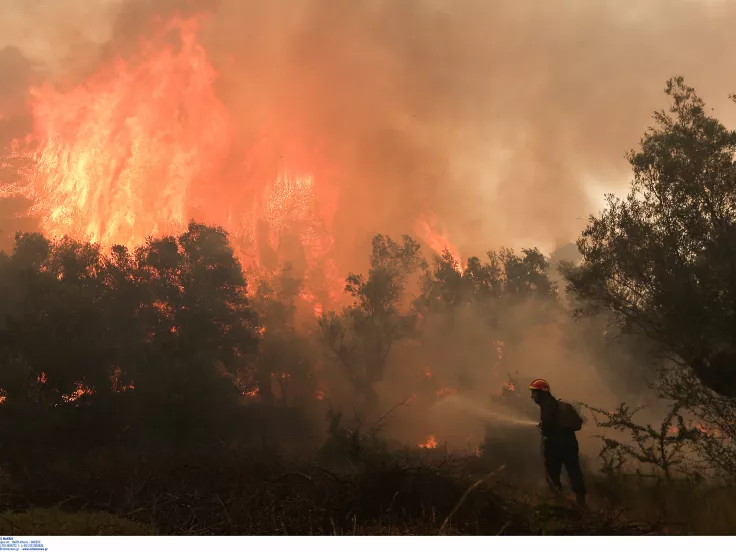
[[569, 417]]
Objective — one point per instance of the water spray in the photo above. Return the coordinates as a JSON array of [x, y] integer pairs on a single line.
[[472, 407]]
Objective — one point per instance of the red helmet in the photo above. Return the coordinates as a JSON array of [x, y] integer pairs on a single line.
[[539, 385]]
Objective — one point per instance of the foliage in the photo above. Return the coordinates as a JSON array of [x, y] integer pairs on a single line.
[[663, 448], [171, 323], [662, 259], [286, 352], [362, 335], [504, 274], [716, 443]]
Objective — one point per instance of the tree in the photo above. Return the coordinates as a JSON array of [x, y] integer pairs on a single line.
[[505, 274], [199, 326], [286, 353], [362, 335], [172, 320], [663, 260]]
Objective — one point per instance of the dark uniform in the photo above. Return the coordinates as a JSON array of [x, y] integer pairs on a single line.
[[560, 448]]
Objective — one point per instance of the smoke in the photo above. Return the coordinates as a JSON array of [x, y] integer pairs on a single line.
[[505, 119], [499, 117]]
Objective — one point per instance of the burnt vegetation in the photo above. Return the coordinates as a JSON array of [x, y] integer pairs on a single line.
[[159, 386]]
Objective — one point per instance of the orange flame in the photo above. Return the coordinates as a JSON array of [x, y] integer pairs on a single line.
[[439, 243], [707, 431], [78, 393], [145, 144], [430, 443]]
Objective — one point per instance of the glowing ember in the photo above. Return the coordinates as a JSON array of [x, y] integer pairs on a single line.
[[80, 391], [320, 396], [430, 443], [428, 374], [499, 349], [252, 393], [446, 392]]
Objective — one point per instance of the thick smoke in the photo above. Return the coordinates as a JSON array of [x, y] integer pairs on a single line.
[[507, 119], [500, 117]]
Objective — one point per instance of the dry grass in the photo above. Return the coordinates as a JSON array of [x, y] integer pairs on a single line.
[[53, 521], [683, 507], [243, 492]]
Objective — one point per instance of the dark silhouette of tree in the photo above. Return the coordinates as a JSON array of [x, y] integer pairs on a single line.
[[171, 321], [663, 259], [504, 275], [362, 335], [286, 352]]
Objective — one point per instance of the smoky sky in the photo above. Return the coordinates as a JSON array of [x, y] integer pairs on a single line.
[[497, 116]]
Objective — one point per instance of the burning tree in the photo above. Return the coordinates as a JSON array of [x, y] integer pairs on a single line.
[[362, 335]]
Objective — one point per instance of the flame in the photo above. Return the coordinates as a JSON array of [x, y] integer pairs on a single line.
[[144, 145], [78, 393], [117, 385], [438, 242], [707, 431], [255, 392], [446, 392], [430, 443], [508, 386], [428, 374], [320, 396]]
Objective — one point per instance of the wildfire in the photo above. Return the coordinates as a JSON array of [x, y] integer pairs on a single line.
[[144, 145], [78, 393], [438, 242], [254, 392], [707, 431], [430, 443]]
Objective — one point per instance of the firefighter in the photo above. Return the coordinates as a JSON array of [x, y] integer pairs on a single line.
[[559, 422]]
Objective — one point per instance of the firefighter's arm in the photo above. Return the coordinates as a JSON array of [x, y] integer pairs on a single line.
[[548, 418]]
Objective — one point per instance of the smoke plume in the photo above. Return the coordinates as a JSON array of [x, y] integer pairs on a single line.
[[498, 117], [503, 120]]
